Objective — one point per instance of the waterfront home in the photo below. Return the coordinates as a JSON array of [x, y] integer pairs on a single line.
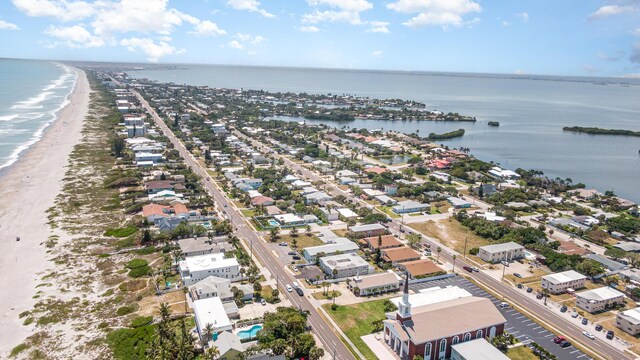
[[599, 299], [134, 120], [153, 187], [195, 268], [409, 206], [310, 253], [210, 311], [375, 284], [367, 230], [345, 265], [212, 286], [144, 156], [563, 281], [502, 174], [421, 268], [202, 246], [135, 131], [383, 242], [501, 252], [165, 195], [586, 194]]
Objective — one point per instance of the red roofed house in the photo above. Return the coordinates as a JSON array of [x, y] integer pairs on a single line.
[[386, 242], [430, 330], [155, 211], [376, 169], [262, 200]]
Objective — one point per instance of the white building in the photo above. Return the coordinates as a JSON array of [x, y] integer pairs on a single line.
[[560, 282], [501, 252], [289, 220], [211, 311], [347, 214], [478, 349], [346, 265], [502, 174], [196, 268], [434, 295], [629, 321], [375, 284], [599, 299], [310, 252]]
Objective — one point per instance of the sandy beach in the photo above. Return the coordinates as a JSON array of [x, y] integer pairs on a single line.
[[29, 188]]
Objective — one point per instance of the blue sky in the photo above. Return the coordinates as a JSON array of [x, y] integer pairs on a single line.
[[564, 37]]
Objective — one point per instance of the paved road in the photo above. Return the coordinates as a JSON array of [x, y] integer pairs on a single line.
[[518, 324], [329, 339], [542, 312]]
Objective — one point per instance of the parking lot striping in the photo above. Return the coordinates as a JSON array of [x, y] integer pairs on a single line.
[[575, 351], [541, 332], [550, 335]]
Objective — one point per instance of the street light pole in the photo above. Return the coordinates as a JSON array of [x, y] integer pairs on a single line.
[[504, 267]]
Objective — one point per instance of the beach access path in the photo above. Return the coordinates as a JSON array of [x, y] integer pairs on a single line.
[[29, 188]]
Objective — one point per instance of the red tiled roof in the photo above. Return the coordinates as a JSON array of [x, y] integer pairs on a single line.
[[154, 209]]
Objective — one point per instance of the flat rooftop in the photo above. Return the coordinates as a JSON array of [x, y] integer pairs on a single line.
[[563, 277], [434, 295]]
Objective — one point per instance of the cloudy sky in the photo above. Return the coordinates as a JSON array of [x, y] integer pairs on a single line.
[[564, 37]]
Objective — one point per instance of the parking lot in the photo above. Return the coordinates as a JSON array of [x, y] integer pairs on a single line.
[[520, 326]]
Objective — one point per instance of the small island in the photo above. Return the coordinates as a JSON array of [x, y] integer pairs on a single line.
[[599, 131], [493, 123], [449, 135]]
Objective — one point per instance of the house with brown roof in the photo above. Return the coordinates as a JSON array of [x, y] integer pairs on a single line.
[[262, 200], [399, 255], [154, 187], [386, 242], [422, 268], [430, 330], [376, 170], [155, 211]]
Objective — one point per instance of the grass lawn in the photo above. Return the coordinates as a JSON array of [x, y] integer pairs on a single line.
[[387, 210], [521, 353], [248, 212], [340, 232], [530, 277], [355, 321], [633, 340], [329, 296], [442, 206], [450, 233], [303, 240]]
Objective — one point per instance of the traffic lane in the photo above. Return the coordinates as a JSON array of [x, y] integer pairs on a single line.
[[520, 326]]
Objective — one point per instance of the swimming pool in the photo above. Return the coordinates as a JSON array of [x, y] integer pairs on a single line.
[[273, 222], [249, 333]]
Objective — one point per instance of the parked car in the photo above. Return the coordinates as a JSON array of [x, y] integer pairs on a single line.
[[289, 288], [610, 334], [574, 315], [292, 253], [598, 327], [539, 296], [299, 291], [225, 204], [468, 268], [589, 335], [295, 284], [504, 305], [520, 286], [475, 269], [529, 290], [517, 275], [263, 302], [505, 263], [565, 344], [559, 339], [296, 257], [585, 321], [283, 244], [563, 308]]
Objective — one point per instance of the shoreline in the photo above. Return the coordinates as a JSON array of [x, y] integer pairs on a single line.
[[31, 185]]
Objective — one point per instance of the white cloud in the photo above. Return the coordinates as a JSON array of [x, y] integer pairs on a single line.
[[524, 16], [636, 32], [590, 69], [4, 25], [60, 9], [379, 27], [436, 12], [377, 54], [340, 11], [615, 56], [153, 50], [249, 5], [75, 36], [258, 39], [207, 28], [309, 29], [614, 9], [235, 44]]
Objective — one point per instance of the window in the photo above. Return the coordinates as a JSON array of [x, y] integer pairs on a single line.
[[478, 334], [455, 340], [467, 336], [443, 345], [427, 351]]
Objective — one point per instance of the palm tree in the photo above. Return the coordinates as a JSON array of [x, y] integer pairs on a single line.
[[208, 334], [438, 251], [212, 353], [454, 263], [317, 279], [185, 290]]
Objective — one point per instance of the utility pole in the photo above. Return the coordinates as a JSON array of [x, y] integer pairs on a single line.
[[504, 267], [464, 254]]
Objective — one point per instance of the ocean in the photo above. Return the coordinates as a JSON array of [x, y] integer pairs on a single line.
[[31, 95], [531, 110]]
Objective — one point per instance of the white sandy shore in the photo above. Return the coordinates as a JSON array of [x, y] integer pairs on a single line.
[[29, 188]]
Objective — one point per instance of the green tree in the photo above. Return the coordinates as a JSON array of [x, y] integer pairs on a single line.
[[615, 253], [590, 268], [294, 232], [273, 234], [414, 240], [117, 146]]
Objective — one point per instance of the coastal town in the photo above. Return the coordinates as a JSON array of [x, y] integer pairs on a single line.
[[238, 235]]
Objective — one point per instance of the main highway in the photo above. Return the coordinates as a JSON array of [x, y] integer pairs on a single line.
[[330, 340], [536, 309]]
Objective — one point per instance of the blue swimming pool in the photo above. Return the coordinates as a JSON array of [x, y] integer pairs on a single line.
[[249, 333], [273, 222]]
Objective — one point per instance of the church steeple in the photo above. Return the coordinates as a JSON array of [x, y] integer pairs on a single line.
[[404, 308]]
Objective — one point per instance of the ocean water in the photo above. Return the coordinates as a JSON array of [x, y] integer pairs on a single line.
[[531, 110], [32, 93]]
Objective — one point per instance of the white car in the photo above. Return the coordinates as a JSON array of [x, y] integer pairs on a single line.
[[295, 284], [504, 305], [289, 288], [589, 335]]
